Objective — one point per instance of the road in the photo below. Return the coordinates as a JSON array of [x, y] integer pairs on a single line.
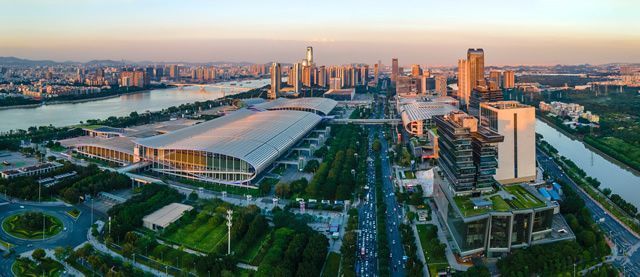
[[367, 265], [626, 257], [74, 235]]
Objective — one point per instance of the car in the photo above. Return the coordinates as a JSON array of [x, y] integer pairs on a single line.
[[64, 229], [21, 207]]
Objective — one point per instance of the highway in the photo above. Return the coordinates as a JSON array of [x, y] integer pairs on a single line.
[[626, 256], [367, 264]]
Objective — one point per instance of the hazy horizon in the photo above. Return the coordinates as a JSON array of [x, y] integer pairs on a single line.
[[540, 32]]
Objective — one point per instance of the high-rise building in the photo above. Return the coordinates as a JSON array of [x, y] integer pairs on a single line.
[[376, 72], [475, 58], [482, 94], [394, 70], [135, 78], [517, 153], [509, 79], [276, 78], [464, 83], [441, 85], [467, 151], [297, 77], [309, 55], [322, 76], [416, 70], [335, 83], [174, 72], [496, 77]]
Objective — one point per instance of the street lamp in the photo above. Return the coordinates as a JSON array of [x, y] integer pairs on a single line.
[[229, 218]]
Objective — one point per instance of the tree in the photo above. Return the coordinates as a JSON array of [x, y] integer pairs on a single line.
[[606, 192], [312, 166], [376, 146], [193, 196], [38, 254], [283, 190]]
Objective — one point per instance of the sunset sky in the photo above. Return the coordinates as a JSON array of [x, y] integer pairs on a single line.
[[425, 32]]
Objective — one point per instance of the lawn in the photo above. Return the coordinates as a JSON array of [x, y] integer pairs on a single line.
[[466, 206], [279, 169], [219, 187], [332, 265], [47, 267], [29, 225], [202, 234], [408, 174], [523, 199], [433, 249], [499, 204], [253, 252], [75, 213]]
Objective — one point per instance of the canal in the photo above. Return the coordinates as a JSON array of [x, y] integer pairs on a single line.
[[153, 100], [611, 175]]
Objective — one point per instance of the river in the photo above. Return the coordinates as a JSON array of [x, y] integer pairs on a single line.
[[153, 100], [620, 180]]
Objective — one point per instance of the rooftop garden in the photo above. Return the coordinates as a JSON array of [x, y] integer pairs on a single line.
[[522, 199]]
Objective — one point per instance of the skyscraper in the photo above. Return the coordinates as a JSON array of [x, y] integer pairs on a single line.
[[517, 153], [467, 151], [376, 71], [441, 85], [475, 58], [297, 76], [496, 77], [309, 56], [276, 78], [174, 72], [509, 79], [416, 70], [394, 70], [464, 83], [322, 76]]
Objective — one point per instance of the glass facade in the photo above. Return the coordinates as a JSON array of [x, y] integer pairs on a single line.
[[521, 228], [499, 234], [105, 154], [542, 220], [198, 165], [468, 235]]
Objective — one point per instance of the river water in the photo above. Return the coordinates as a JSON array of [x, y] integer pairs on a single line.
[[153, 100], [620, 180]]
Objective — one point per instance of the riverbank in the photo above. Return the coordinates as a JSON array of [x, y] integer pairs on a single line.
[[75, 101], [591, 146]]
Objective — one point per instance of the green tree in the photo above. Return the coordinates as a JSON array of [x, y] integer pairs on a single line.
[[38, 254]]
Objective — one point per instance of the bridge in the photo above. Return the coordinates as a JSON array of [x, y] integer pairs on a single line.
[[203, 87], [367, 121]]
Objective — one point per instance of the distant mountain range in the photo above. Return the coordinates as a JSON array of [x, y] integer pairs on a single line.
[[27, 62]]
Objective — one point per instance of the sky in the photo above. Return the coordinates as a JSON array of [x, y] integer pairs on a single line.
[[534, 32]]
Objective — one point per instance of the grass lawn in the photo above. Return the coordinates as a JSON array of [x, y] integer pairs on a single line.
[[47, 267], [466, 206], [252, 252], [16, 225], [408, 174], [58, 148], [218, 187], [75, 213], [523, 199], [202, 237], [332, 265], [499, 204], [433, 250]]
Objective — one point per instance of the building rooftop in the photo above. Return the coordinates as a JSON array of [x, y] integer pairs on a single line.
[[503, 105], [318, 105], [257, 137], [510, 198], [167, 214], [415, 111]]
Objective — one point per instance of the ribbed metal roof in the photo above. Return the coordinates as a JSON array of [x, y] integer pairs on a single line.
[[320, 105], [423, 110], [257, 137]]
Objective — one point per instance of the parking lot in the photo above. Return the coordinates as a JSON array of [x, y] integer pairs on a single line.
[[13, 160]]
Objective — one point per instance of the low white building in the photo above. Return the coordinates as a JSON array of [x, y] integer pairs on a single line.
[[163, 217]]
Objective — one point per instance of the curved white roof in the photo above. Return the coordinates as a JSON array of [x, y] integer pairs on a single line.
[[257, 137], [317, 104], [423, 110]]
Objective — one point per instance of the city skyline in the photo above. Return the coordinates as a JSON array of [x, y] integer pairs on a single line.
[[433, 33]]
